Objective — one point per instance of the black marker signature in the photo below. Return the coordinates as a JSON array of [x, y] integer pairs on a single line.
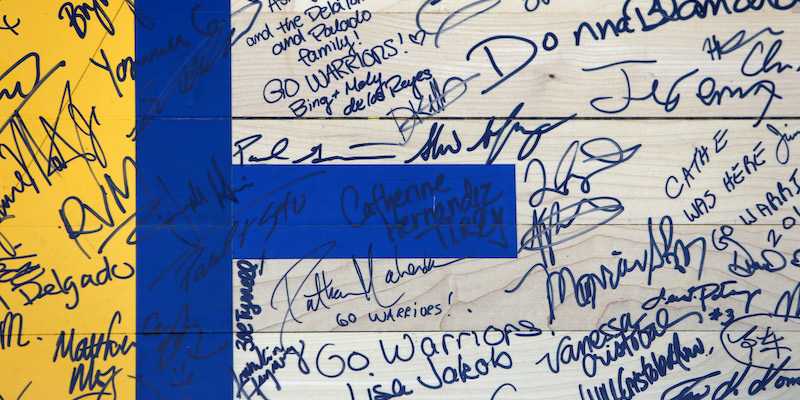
[[367, 281]]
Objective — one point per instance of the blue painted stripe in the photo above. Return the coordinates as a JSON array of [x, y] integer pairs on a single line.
[[383, 211], [184, 279]]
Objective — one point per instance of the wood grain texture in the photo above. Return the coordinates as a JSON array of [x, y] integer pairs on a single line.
[[555, 82], [638, 132]]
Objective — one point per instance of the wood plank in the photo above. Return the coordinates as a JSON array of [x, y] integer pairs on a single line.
[[556, 82], [575, 273], [517, 370], [608, 271], [656, 154]]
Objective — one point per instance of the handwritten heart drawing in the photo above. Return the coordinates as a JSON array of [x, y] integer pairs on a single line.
[[416, 37]]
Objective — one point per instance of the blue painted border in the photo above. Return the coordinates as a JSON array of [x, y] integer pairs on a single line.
[[379, 211], [183, 134]]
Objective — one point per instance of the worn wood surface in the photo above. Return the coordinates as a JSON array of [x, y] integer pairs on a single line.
[[627, 226], [558, 118]]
